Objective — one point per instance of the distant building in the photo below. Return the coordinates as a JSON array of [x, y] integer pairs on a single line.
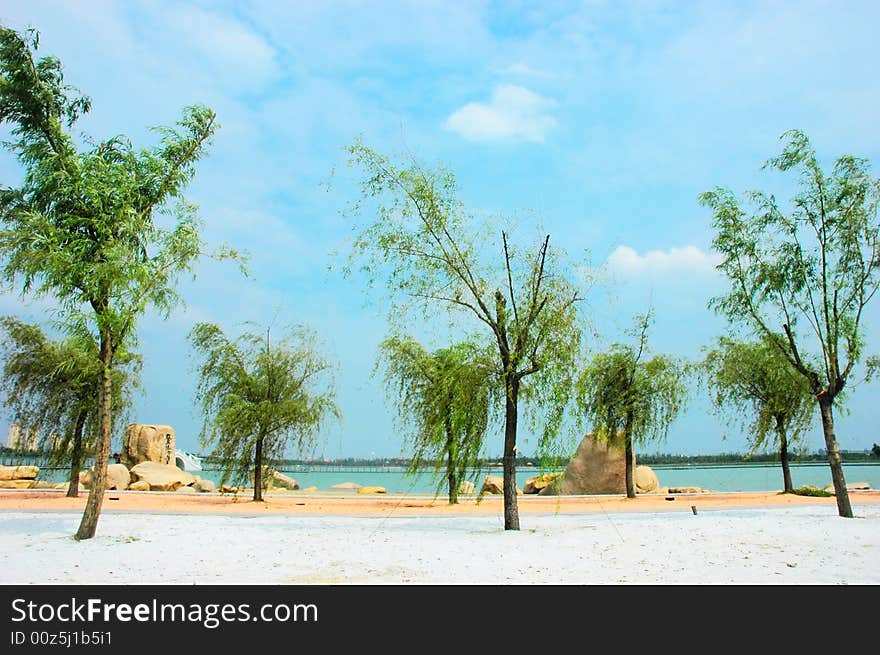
[[27, 440]]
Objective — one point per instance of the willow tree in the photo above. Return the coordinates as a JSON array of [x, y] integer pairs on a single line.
[[627, 396], [51, 387], [444, 401], [435, 255], [753, 386], [257, 397], [802, 274], [83, 226]]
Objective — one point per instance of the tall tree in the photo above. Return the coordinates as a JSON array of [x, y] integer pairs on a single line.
[[625, 395], [51, 386], [444, 401], [258, 396], [83, 227], [802, 275], [753, 385], [423, 240]]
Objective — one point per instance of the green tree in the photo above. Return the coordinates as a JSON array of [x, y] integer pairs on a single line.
[[444, 401], [428, 247], [753, 385], [258, 397], [626, 396], [83, 226], [52, 387], [801, 275]]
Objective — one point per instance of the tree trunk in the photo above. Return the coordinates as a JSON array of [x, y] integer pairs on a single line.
[[76, 456], [511, 511], [834, 459], [258, 471], [450, 466], [783, 456], [89, 523], [628, 454]]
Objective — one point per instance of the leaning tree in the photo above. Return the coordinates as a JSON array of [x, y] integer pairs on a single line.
[[433, 254], [753, 386], [801, 274], [83, 225], [51, 387], [258, 396], [627, 396], [444, 402]]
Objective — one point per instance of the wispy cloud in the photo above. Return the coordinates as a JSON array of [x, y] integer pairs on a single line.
[[514, 113], [521, 69], [686, 261]]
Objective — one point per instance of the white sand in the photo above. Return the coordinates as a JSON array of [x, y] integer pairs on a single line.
[[799, 545]]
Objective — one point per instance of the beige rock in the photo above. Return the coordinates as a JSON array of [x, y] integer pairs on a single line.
[[161, 477], [851, 486], [204, 486], [229, 489], [118, 477], [42, 484], [281, 481], [85, 478], [346, 485], [371, 490], [19, 472], [645, 480], [148, 443], [684, 490], [140, 485], [466, 488], [310, 490], [18, 484], [598, 467], [534, 484], [493, 484], [60, 485]]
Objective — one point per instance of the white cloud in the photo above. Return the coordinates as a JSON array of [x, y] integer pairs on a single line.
[[524, 70], [688, 261], [514, 113]]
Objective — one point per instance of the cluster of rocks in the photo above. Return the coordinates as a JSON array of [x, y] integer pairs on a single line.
[[354, 486], [149, 476], [24, 477]]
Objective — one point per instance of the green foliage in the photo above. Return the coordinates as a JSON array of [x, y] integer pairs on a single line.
[[622, 393], [48, 385], [753, 386], [254, 390], [810, 490], [802, 275], [444, 401], [875, 451]]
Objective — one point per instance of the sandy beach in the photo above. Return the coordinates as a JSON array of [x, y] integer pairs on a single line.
[[695, 539]]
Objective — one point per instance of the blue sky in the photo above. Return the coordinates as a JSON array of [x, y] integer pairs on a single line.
[[601, 120]]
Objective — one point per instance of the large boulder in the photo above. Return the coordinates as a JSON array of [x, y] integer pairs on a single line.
[[598, 467], [645, 480], [118, 477], [204, 486], [140, 485], [18, 484], [466, 488], [371, 490], [148, 443], [19, 472], [274, 480], [161, 477]]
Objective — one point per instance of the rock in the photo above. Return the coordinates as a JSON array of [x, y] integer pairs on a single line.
[[466, 488], [493, 484], [60, 485], [229, 489], [534, 484], [161, 477], [85, 478], [118, 477], [645, 480], [42, 484], [371, 490], [310, 490], [140, 485], [598, 467], [852, 486], [346, 485], [148, 443], [186, 490], [204, 486], [281, 481], [18, 484], [19, 472], [684, 490]]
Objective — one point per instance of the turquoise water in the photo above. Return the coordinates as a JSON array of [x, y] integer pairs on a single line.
[[757, 477]]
